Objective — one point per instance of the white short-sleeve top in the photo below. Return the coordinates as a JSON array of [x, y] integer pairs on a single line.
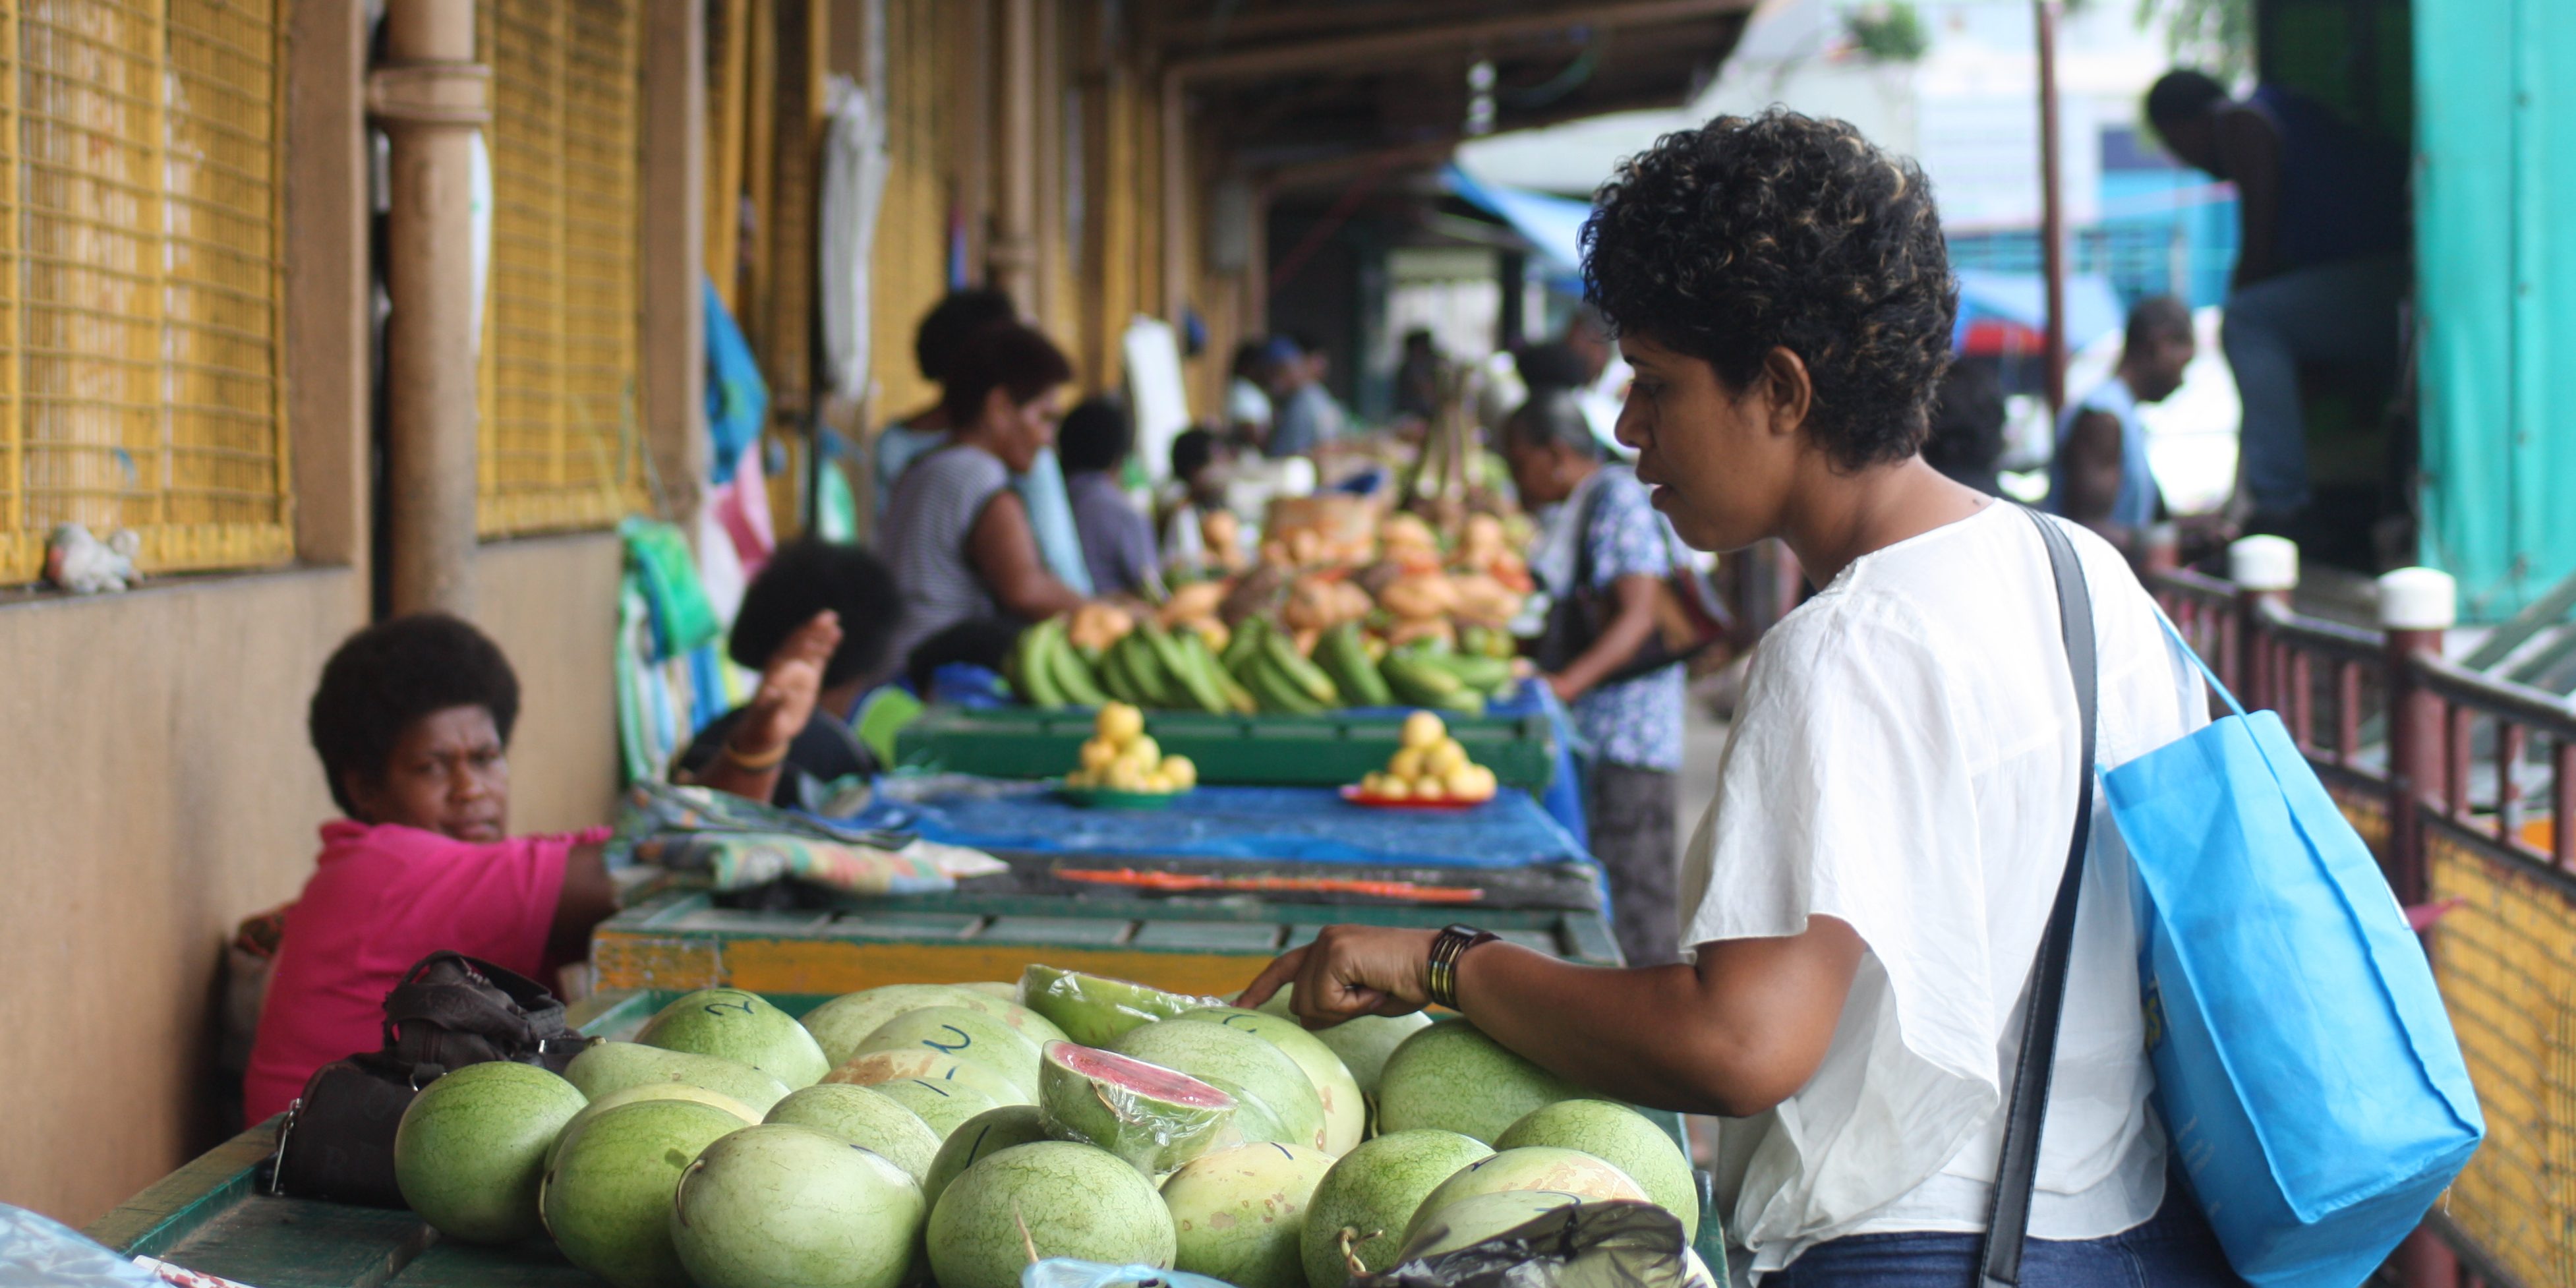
[[1903, 760]]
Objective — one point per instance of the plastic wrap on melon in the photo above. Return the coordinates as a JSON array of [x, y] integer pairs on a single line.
[[1154, 1118], [1095, 1010], [1581, 1245], [1065, 1272]]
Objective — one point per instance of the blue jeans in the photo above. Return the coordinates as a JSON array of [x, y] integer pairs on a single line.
[[2342, 313], [2174, 1249]]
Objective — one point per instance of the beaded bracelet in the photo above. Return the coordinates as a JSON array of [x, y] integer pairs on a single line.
[[1440, 975]]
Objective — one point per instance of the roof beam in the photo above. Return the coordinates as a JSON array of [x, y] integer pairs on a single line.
[[1385, 46], [1431, 151], [1182, 33]]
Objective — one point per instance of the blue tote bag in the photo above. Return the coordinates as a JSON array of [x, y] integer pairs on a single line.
[[2305, 1067]]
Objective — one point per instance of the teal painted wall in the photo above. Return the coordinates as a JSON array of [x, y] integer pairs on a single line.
[[2495, 202]]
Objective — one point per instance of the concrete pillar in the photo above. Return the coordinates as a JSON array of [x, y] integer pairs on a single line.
[[432, 97], [673, 329], [328, 300], [2265, 570], [1012, 258], [1174, 124]]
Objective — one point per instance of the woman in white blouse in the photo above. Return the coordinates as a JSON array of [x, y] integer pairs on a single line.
[[1867, 892]]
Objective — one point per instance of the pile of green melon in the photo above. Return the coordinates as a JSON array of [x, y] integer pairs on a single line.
[[948, 1134]]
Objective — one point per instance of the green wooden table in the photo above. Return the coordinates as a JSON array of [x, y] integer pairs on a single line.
[[1203, 942]]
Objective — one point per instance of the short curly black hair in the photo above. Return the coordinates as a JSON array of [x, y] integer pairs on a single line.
[[1785, 231], [804, 577], [2181, 94], [1010, 356], [1094, 437], [945, 329], [393, 673]]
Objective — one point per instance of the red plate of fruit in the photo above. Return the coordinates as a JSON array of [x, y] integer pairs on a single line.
[[1361, 796]]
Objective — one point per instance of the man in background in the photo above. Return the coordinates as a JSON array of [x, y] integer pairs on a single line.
[[1307, 416], [1417, 376], [1248, 412], [1117, 539], [1967, 441], [2321, 268], [2100, 477]]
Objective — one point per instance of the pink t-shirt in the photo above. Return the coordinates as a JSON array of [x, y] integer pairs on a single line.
[[382, 897]]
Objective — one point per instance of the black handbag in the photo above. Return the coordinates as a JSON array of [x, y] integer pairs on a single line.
[[1688, 616], [336, 1141], [2017, 1174]]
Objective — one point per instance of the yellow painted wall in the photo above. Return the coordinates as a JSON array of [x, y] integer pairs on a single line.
[[1090, 291], [910, 269]]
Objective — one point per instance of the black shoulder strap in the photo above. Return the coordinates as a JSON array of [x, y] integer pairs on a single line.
[[1583, 536], [2009, 1219]]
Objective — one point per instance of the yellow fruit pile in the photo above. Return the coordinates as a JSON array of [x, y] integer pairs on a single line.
[[1122, 758], [1430, 766]]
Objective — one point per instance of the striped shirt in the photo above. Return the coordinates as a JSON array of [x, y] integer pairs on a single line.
[[934, 510]]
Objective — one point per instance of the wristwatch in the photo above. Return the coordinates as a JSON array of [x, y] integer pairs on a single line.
[[1440, 975]]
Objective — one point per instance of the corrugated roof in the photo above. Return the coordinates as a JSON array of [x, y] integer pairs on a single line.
[[1308, 87]]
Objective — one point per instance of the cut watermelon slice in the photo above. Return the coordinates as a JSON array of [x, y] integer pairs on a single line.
[[1154, 1118]]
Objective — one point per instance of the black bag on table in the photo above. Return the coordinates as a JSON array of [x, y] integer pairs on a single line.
[[1689, 619], [450, 1010]]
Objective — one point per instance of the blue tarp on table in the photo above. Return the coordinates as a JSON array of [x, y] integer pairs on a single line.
[[1254, 823], [964, 684]]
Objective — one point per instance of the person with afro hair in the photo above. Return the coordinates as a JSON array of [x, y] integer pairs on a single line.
[[805, 580], [962, 542], [1863, 902], [943, 349], [936, 343], [412, 722]]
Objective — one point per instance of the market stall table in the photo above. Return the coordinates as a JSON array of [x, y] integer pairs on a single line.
[[215, 1215], [1191, 898]]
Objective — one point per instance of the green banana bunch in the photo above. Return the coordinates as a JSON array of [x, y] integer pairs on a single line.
[[1245, 642], [1345, 658], [1475, 670], [1272, 687], [1118, 674], [1308, 677], [1487, 641], [1187, 657], [1030, 670], [1073, 676], [1419, 680], [1145, 673]]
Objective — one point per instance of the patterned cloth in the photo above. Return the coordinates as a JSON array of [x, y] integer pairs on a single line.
[[740, 844], [1637, 723]]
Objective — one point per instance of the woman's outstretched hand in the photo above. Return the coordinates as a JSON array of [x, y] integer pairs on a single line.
[[1348, 972], [789, 686]]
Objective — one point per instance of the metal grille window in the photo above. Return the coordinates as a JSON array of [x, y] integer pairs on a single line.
[[560, 442], [140, 164]]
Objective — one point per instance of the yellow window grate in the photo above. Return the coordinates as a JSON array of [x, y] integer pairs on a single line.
[[2507, 963], [140, 381], [560, 443]]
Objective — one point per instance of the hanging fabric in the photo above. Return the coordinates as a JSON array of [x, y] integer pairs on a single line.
[[855, 165]]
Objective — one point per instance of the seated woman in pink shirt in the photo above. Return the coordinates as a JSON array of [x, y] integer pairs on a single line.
[[412, 722]]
